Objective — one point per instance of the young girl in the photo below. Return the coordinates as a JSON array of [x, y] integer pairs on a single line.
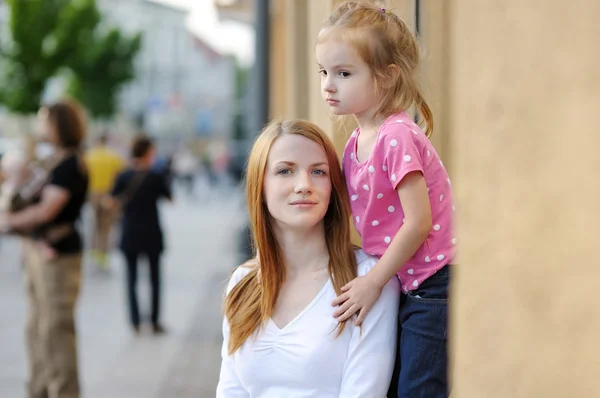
[[399, 189]]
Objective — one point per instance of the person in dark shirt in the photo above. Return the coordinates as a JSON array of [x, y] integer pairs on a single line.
[[138, 190], [53, 281]]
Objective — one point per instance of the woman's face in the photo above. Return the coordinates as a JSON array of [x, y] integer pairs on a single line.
[[297, 185], [45, 128]]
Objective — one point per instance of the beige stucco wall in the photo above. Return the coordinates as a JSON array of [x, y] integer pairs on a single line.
[[525, 90]]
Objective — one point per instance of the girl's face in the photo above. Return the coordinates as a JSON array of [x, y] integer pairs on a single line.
[[347, 84], [297, 185]]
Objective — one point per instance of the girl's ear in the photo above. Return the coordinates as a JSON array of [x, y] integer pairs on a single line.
[[392, 74]]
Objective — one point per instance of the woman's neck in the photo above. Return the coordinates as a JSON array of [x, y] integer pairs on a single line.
[[304, 250]]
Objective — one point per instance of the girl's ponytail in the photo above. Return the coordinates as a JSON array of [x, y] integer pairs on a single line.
[[425, 114]]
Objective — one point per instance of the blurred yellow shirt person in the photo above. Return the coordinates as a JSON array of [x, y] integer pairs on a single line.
[[104, 165]]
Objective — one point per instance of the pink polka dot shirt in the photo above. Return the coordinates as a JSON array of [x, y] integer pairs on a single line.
[[400, 148]]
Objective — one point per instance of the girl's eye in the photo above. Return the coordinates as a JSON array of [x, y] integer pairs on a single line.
[[323, 72], [284, 171], [344, 74], [319, 172]]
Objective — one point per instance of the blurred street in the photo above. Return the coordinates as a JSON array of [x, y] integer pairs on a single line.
[[202, 249]]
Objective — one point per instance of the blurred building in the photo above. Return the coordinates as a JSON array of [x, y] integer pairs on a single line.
[[183, 88]]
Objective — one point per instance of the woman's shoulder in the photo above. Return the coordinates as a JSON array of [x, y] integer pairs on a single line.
[[240, 272], [364, 261]]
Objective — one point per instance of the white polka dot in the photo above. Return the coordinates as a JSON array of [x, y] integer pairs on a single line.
[[399, 121], [411, 271], [387, 239], [352, 156], [449, 183], [427, 189], [375, 223], [391, 209], [436, 227], [441, 164], [379, 196], [407, 158], [416, 283], [441, 257], [393, 143], [427, 259], [404, 220], [441, 197], [384, 168], [453, 208], [366, 187], [354, 197], [428, 153], [371, 169], [454, 240], [357, 219], [414, 132], [393, 177], [354, 133]]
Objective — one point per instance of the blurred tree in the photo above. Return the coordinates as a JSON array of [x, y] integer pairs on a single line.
[[44, 35], [100, 71], [49, 35]]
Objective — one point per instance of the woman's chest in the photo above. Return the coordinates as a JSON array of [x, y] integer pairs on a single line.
[[306, 351]]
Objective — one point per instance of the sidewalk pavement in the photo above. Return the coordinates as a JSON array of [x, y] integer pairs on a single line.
[[202, 241]]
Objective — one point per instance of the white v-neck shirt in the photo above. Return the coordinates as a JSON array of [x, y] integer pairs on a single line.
[[305, 359]]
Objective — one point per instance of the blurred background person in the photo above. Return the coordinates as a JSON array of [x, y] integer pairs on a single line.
[[185, 167], [104, 165], [137, 191], [53, 279]]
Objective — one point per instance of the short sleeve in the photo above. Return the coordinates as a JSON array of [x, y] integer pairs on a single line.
[[64, 174], [401, 152], [164, 190]]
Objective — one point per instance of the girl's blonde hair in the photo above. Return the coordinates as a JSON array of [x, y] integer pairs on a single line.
[[252, 300], [382, 39]]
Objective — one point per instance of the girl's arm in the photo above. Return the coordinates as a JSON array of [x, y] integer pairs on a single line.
[[414, 199], [362, 293]]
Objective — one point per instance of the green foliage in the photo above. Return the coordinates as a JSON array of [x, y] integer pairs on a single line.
[[100, 71], [50, 35]]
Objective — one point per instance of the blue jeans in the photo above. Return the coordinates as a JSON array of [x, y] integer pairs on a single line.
[[422, 359]]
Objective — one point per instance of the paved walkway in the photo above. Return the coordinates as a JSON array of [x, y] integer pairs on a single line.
[[203, 249]]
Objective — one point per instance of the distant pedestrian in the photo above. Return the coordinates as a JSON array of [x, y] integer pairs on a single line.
[[137, 191], [104, 164], [53, 254]]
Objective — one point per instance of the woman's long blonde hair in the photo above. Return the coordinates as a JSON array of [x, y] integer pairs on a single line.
[[252, 300], [382, 38]]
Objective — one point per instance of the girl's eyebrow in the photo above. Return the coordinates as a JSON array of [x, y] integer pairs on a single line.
[[341, 66]]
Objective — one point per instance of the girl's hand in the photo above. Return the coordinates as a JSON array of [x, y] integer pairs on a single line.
[[359, 297]]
